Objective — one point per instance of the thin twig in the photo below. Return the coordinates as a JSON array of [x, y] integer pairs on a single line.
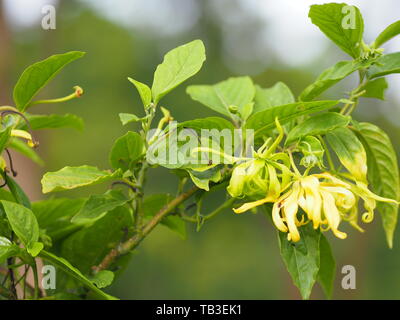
[[134, 241]]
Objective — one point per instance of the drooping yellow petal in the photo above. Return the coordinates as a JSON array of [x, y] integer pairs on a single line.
[[238, 179], [24, 135], [290, 208], [331, 213], [345, 199], [274, 185], [250, 205], [313, 202], [276, 217]]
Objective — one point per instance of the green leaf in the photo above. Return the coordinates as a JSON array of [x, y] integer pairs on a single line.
[[144, 91], [35, 77], [35, 248], [341, 23], [75, 177], [350, 152], [390, 32], [17, 192], [154, 203], [88, 246], [55, 121], [302, 259], [4, 139], [277, 95], [208, 123], [54, 215], [219, 97], [330, 77], [202, 179], [128, 118], [21, 147], [247, 110], [68, 268], [386, 64], [179, 65], [103, 279], [23, 222], [327, 269], [177, 225], [375, 89], [126, 150], [7, 249], [6, 195], [98, 205], [221, 133], [264, 121], [383, 173], [316, 125]]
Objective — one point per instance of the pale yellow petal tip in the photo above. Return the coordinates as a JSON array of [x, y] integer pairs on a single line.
[[294, 237], [367, 217], [238, 210], [339, 234]]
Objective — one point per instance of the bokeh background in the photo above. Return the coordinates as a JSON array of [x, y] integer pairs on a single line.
[[233, 257]]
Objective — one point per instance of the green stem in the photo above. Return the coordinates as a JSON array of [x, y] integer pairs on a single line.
[[228, 203], [134, 241], [76, 94], [36, 281]]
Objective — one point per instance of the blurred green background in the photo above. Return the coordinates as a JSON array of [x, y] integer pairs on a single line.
[[233, 257]]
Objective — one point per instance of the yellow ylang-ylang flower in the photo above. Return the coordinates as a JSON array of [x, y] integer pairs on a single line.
[[266, 173], [325, 200]]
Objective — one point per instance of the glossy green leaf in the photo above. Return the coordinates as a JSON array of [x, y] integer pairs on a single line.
[[21, 147], [23, 222], [154, 203], [88, 246], [68, 268], [220, 133], [277, 95], [390, 32], [98, 205], [302, 259], [103, 279], [35, 248], [4, 139], [35, 77], [55, 121], [264, 121], [126, 150], [179, 65], [17, 192], [220, 97], [386, 64], [330, 77], [341, 23], [327, 269], [383, 173], [208, 123], [144, 91], [375, 89], [128, 118], [350, 152], [202, 179], [54, 215], [75, 177], [7, 249], [317, 125]]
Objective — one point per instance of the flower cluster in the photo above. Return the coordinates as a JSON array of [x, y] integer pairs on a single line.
[[324, 198]]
